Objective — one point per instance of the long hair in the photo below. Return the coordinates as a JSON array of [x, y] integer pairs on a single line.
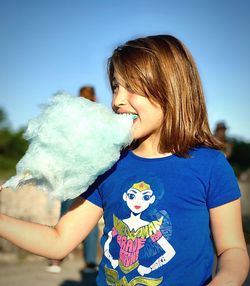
[[162, 69]]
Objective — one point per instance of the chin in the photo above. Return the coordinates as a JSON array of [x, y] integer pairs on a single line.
[[136, 212], [136, 136]]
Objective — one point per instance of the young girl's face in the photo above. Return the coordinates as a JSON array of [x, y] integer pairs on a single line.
[[148, 123]]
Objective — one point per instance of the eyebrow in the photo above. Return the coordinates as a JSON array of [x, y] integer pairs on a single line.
[[146, 192], [119, 81], [131, 190], [114, 78]]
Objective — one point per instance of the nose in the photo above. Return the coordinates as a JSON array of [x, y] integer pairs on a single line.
[[120, 98]]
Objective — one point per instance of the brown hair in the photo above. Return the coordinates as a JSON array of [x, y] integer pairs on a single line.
[[162, 69]]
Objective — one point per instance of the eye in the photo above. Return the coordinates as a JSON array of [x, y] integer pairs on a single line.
[[114, 85], [131, 196], [146, 197], [115, 88]]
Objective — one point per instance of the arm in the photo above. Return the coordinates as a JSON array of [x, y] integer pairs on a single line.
[[162, 260], [233, 259], [53, 242], [114, 262], [166, 257]]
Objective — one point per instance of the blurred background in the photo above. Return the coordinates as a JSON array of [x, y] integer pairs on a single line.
[[60, 45]]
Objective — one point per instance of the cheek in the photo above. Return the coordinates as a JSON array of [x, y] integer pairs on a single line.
[[130, 202], [144, 206], [136, 101]]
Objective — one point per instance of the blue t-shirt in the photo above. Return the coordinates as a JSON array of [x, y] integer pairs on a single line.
[[156, 214]]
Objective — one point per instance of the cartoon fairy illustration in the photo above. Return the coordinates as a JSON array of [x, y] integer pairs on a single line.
[[131, 233]]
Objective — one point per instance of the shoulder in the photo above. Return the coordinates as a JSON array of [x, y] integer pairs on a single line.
[[205, 153], [114, 170], [208, 161], [207, 157]]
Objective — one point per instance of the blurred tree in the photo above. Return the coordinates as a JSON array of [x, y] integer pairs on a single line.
[[12, 146], [5, 133], [3, 119]]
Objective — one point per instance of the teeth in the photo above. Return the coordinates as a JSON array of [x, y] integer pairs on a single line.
[[132, 115]]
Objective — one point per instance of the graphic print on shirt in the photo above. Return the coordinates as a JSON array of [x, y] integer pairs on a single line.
[[133, 234]]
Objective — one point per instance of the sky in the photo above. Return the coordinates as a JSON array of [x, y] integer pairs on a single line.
[[48, 46]]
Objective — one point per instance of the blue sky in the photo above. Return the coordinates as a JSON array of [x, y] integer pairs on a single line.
[[52, 45]]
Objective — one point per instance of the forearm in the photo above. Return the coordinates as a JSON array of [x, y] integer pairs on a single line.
[[36, 238], [233, 267], [106, 247]]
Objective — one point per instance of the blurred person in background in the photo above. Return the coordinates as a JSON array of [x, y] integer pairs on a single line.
[[220, 134]]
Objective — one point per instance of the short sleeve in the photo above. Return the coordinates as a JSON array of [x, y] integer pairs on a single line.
[[223, 186], [93, 194]]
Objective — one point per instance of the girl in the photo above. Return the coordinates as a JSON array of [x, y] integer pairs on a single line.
[[169, 198]]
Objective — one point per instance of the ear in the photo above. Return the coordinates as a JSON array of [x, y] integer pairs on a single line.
[[124, 197], [152, 199]]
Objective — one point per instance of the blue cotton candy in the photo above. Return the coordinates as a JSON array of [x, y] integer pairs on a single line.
[[72, 142]]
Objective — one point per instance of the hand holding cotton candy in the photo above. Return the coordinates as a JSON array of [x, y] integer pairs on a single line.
[[72, 142]]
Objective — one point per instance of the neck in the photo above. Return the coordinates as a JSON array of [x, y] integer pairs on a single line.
[[135, 216], [149, 148]]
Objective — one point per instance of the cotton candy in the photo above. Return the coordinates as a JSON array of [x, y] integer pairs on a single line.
[[72, 142]]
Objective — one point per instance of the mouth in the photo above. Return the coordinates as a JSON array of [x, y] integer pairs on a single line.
[[133, 116], [137, 207]]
